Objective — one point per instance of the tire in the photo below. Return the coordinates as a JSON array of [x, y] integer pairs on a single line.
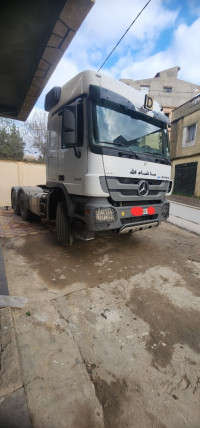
[[24, 211], [63, 225], [15, 204]]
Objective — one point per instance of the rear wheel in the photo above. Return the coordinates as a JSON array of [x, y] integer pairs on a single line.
[[14, 201], [64, 229], [24, 211]]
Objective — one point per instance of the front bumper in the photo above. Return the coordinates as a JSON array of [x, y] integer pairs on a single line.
[[123, 218]]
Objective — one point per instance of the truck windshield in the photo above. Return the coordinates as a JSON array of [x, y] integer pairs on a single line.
[[115, 125]]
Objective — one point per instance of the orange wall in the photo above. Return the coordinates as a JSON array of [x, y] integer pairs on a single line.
[[19, 174]]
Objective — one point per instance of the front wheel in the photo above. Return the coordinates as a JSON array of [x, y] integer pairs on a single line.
[[63, 225]]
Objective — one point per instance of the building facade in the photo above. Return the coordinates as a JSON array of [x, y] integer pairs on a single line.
[[169, 91], [185, 147], [181, 103]]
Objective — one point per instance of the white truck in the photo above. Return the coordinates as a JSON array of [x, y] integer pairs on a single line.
[[107, 161]]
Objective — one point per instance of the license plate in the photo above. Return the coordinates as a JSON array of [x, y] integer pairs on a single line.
[[145, 211]]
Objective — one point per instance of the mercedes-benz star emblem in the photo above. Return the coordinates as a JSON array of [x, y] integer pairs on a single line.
[[143, 188]]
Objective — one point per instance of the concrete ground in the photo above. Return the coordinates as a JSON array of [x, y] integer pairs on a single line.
[[109, 336], [186, 200]]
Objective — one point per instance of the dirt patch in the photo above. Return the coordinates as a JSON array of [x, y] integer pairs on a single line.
[[145, 356], [84, 418], [153, 421], [111, 397], [169, 325], [106, 258]]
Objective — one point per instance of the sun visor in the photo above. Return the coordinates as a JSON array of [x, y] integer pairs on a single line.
[[97, 93]]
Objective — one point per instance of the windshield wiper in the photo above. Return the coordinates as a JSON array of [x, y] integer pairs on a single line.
[[121, 145], [158, 155], [127, 147]]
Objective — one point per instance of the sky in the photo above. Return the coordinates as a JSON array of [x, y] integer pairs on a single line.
[[165, 35]]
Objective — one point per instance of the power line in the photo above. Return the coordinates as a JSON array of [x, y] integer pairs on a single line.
[[124, 34]]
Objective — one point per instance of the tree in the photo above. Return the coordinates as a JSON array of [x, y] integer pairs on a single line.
[[36, 132], [11, 141]]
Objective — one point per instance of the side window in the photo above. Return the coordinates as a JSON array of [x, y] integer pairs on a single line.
[[189, 135], [53, 139], [79, 123], [167, 89], [145, 88], [54, 129], [68, 125]]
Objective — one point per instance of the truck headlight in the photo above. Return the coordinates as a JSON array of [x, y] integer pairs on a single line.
[[165, 210], [105, 215], [169, 187]]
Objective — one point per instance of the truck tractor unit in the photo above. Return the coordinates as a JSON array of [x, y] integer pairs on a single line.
[[107, 161]]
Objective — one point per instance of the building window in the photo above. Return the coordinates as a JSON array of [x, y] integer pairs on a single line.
[[145, 88], [189, 135], [167, 89]]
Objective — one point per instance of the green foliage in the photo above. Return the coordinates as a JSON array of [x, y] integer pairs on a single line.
[[28, 314], [11, 142]]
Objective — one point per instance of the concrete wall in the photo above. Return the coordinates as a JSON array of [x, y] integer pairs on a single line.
[[182, 91], [184, 116], [19, 174], [178, 150]]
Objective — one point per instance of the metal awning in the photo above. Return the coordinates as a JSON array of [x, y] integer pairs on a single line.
[[33, 37]]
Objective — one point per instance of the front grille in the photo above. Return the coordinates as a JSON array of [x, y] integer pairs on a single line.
[[129, 192], [144, 202], [141, 219], [124, 180], [124, 189]]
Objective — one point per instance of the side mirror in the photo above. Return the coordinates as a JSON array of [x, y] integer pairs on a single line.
[[68, 139], [69, 127], [69, 118]]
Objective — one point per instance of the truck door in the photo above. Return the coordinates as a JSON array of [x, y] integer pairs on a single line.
[[72, 158], [54, 127]]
